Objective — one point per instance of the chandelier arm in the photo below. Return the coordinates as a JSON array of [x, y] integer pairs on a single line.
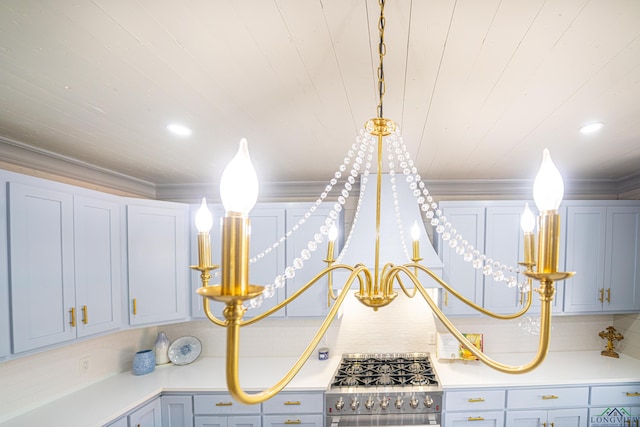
[[299, 292], [233, 345], [209, 313], [546, 297], [470, 303]]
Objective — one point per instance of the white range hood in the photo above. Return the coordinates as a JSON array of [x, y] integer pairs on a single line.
[[361, 244]]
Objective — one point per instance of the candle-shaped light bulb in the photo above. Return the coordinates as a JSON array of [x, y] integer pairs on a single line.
[[415, 232], [239, 183], [204, 220], [527, 220], [333, 233], [548, 187]]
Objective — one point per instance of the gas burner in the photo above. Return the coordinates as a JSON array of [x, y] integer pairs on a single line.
[[397, 370]]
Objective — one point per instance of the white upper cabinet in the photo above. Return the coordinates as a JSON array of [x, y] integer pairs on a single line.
[[602, 248], [469, 222], [158, 268], [5, 332], [98, 275], [42, 266]]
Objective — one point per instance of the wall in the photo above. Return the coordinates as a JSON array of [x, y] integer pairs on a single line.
[[35, 380], [629, 326]]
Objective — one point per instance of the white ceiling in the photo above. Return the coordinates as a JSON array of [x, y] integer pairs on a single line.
[[479, 87]]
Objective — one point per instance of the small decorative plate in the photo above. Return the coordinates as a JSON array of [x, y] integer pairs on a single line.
[[184, 350]]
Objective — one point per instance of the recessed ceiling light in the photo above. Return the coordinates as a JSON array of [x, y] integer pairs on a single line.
[[179, 129], [591, 128]]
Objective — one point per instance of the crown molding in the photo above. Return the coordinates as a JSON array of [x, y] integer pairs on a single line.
[[33, 161]]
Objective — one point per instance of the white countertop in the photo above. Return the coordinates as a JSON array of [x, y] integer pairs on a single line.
[[102, 402], [558, 368]]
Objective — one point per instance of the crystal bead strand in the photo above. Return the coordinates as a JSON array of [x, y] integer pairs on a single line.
[[443, 227], [361, 148], [391, 157]]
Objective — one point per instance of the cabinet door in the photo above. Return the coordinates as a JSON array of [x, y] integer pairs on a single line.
[[147, 416], [476, 419], [122, 422], [177, 411], [97, 264], [586, 228], [210, 421], [158, 266], [299, 420], [622, 259], [526, 418], [5, 335], [41, 260], [469, 222], [568, 417], [503, 243], [244, 421], [312, 303]]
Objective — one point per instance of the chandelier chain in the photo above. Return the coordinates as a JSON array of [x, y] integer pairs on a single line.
[[382, 50]]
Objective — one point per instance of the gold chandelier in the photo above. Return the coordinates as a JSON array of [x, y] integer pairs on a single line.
[[239, 192]]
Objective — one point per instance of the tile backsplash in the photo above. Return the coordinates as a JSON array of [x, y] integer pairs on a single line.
[[405, 325]]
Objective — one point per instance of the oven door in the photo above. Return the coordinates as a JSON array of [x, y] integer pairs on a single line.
[[384, 420]]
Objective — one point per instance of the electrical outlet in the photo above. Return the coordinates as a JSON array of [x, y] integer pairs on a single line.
[[84, 365], [431, 338]]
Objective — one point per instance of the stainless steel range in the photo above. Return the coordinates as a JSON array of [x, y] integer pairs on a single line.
[[384, 390]]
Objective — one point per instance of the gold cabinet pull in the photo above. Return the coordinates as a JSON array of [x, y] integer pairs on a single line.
[[292, 402], [632, 394], [549, 396], [135, 306], [72, 312], [552, 424], [293, 422], [609, 295], [224, 404], [476, 399], [446, 298], [85, 315], [601, 295], [475, 419]]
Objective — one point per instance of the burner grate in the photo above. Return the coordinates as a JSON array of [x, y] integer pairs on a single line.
[[385, 370]]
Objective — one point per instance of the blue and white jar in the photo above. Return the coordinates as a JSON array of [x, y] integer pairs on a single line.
[[144, 362]]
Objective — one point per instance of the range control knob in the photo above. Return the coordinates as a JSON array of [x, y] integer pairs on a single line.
[[414, 402], [340, 404], [384, 403], [399, 402], [428, 401], [369, 403], [354, 403]]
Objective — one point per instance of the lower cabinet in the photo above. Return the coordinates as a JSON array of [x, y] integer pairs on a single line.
[[475, 419], [615, 405], [301, 409], [148, 415], [177, 411], [474, 407], [576, 417], [220, 410]]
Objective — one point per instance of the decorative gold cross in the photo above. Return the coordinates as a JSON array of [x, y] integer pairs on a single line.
[[610, 335]]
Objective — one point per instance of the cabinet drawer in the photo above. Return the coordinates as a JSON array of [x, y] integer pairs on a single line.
[[474, 419], [294, 403], [292, 420], [548, 397], [221, 403], [470, 400], [616, 395]]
